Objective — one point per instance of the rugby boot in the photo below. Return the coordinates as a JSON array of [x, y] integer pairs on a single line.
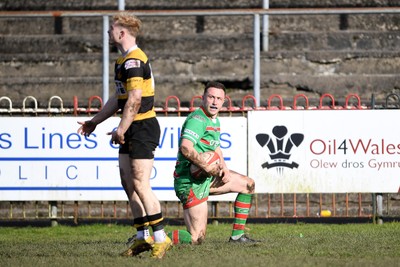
[[131, 240], [139, 246], [159, 249], [243, 239]]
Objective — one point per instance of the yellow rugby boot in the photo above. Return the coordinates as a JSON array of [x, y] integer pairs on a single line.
[[159, 249], [139, 246]]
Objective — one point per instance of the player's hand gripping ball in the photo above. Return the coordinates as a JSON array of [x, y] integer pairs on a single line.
[[210, 157]]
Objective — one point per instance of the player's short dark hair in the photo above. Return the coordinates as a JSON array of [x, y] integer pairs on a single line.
[[215, 85]]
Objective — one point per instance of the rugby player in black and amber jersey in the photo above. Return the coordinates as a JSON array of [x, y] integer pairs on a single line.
[[138, 134]]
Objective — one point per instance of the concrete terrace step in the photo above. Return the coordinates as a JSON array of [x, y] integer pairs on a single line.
[[223, 25], [129, 5], [203, 43], [51, 44], [331, 3], [196, 64], [177, 4]]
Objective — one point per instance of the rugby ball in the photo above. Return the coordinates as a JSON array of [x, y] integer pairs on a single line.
[[210, 157]]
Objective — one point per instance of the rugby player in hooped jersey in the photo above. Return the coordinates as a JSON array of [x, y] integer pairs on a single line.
[[200, 133], [138, 134]]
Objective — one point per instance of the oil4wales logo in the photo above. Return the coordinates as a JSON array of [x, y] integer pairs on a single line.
[[280, 150]]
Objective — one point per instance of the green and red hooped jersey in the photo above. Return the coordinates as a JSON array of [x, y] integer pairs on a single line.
[[203, 132]]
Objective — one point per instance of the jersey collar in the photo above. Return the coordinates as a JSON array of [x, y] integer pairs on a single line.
[[206, 113], [129, 50]]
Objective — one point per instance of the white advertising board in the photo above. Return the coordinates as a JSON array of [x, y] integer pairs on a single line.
[[45, 159], [324, 151]]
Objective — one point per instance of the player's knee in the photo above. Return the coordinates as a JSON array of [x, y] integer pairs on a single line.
[[200, 238], [197, 239]]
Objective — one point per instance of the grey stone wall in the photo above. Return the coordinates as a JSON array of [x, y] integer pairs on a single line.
[[308, 54]]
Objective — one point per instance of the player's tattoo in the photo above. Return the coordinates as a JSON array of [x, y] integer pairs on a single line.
[[250, 187], [193, 156]]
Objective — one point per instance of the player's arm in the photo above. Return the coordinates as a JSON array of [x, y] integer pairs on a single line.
[[131, 108], [188, 151], [108, 110]]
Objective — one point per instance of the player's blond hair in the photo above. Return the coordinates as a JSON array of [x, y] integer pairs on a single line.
[[128, 21]]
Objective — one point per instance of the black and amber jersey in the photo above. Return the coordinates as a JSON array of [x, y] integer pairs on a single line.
[[133, 72]]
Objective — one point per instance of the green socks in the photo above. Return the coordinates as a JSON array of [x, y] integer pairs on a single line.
[[242, 208], [180, 237]]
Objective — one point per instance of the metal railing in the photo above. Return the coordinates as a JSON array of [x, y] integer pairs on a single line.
[[172, 104], [273, 207]]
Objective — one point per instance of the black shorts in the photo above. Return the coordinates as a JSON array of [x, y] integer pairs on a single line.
[[141, 139]]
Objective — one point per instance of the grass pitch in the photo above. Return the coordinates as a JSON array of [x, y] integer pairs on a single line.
[[282, 245]]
